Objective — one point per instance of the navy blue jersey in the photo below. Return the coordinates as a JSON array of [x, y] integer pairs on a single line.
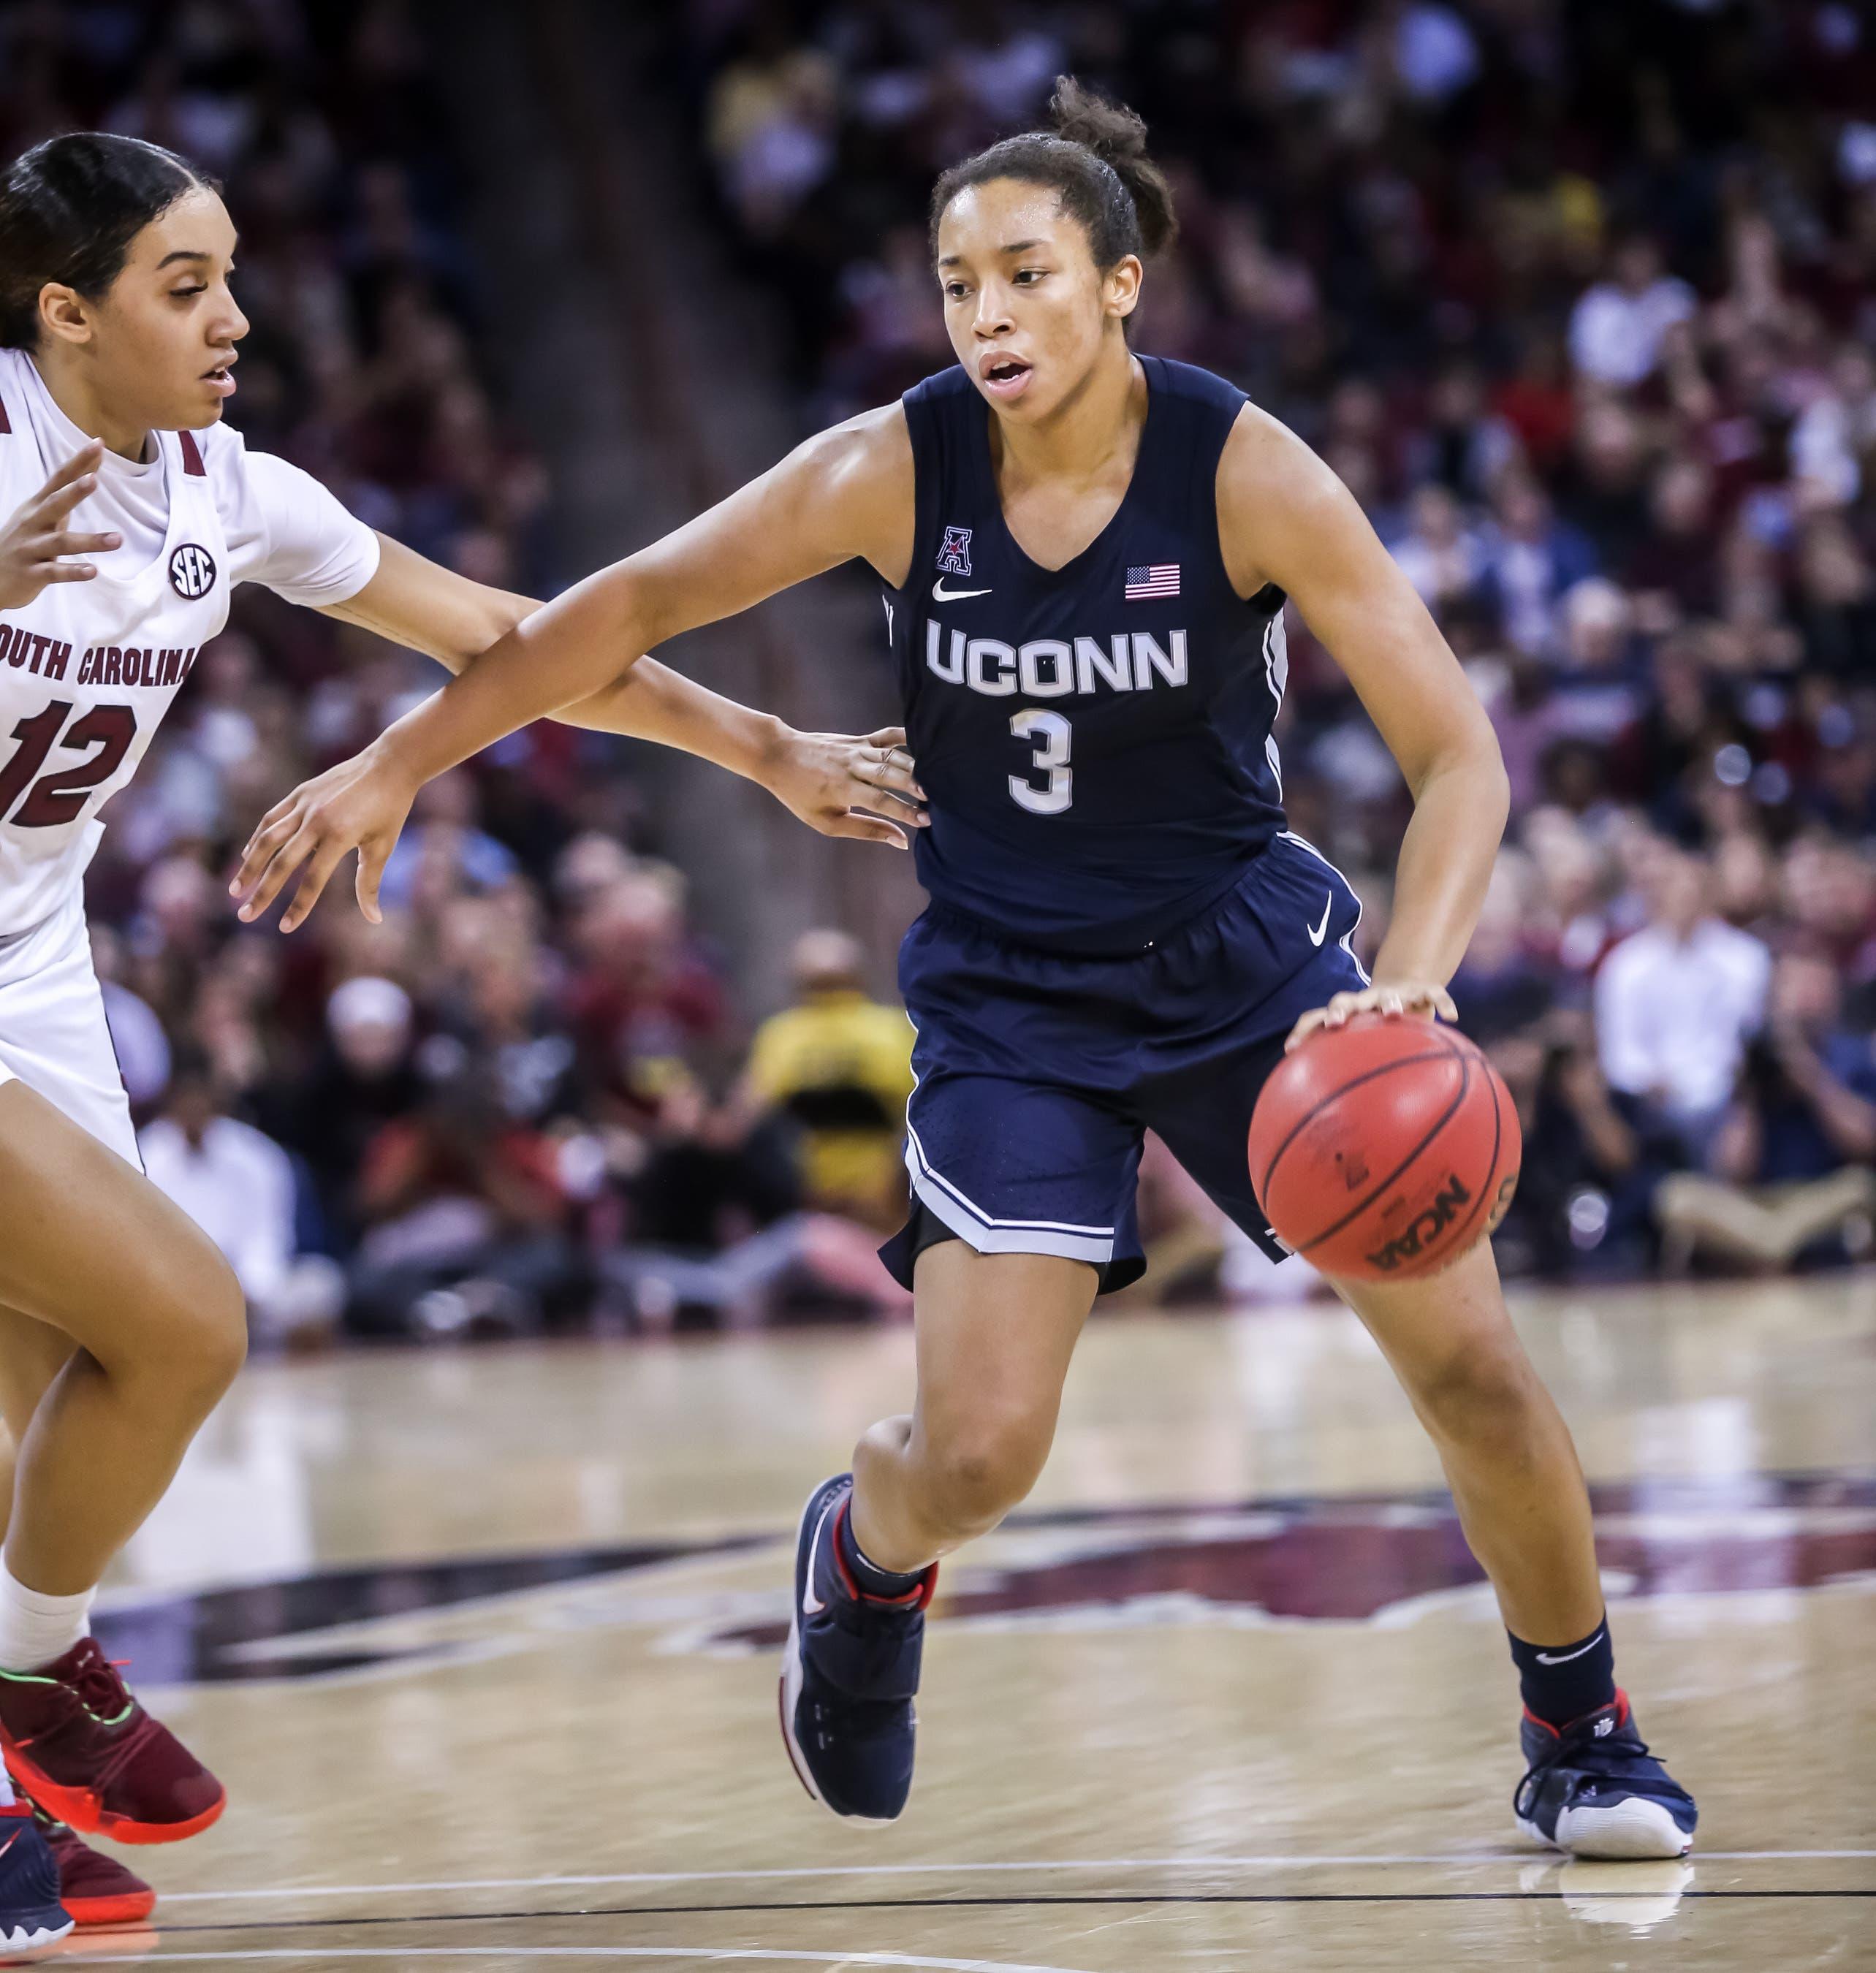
[[1094, 739]]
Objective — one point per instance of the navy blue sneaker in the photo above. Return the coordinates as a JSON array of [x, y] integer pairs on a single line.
[[852, 1670], [30, 1911], [1595, 1790]]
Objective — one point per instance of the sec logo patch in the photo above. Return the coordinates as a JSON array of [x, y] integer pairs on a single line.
[[192, 571]]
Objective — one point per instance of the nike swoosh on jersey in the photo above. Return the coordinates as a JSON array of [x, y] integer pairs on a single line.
[[941, 594], [1328, 905], [811, 1605], [1564, 1657]]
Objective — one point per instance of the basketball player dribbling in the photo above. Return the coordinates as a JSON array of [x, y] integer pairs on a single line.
[[133, 513], [1086, 554]]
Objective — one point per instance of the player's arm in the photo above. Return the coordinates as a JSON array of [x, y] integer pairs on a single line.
[[848, 493], [818, 777], [1284, 517]]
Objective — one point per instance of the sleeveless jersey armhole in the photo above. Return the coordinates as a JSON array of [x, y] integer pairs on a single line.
[[925, 429], [1268, 599], [1207, 478]]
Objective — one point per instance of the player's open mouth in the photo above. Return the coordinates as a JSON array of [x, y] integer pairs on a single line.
[[1004, 376], [220, 381]]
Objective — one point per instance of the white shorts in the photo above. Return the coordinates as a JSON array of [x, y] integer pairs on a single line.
[[54, 1037]]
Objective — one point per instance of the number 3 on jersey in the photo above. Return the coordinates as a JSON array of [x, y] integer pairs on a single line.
[[60, 797], [1052, 737]]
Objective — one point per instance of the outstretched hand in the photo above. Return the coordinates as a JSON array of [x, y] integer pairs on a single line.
[[361, 804], [831, 781], [1424, 997], [38, 546]]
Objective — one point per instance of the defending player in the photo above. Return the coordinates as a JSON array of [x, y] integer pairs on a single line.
[[1086, 555], [133, 514]]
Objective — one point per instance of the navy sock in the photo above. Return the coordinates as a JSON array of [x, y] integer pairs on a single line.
[[1563, 1682], [872, 1580]]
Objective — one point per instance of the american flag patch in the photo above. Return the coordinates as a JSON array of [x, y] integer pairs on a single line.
[[1162, 579]]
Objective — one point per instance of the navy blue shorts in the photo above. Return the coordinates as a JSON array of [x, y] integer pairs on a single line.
[[1038, 1072]]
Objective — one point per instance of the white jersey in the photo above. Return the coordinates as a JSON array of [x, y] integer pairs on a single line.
[[88, 670]]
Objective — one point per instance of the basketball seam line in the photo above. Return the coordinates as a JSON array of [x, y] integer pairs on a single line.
[[1497, 1139], [1355, 1212], [1367, 1075]]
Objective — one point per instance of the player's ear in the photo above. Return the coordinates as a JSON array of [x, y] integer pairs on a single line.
[[1120, 285], [64, 313]]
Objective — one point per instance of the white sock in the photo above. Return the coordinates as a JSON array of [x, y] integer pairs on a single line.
[[34, 1629]]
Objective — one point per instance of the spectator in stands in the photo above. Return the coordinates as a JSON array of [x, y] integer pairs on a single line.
[[1531, 558], [239, 1187], [1677, 1002], [1616, 329], [467, 1227], [1598, 679], [364, 1076], [1671, 566], [1440, 555], [1503, 987], [640, 991], [1589, 1172], [1792, 1163], [837, 1067], [443, 851]]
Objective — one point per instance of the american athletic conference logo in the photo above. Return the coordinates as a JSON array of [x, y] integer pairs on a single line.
[[953, 555], [192, 571]]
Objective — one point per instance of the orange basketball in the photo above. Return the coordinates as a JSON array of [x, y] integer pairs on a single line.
[[1382, 1150]]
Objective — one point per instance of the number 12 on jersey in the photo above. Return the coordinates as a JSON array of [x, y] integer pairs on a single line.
[[1053, 737], [106, 732]]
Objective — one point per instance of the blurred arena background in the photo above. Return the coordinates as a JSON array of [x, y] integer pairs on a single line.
[[1580, 300]]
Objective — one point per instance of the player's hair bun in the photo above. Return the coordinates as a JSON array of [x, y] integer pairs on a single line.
[[1094, 155], [1118, 136]]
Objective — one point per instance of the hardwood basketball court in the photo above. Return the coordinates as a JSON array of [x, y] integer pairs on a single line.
[[485, 1645]]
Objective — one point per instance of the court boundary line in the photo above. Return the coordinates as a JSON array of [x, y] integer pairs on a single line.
[[1131, 1900], [834, 1957], [589, 1881]]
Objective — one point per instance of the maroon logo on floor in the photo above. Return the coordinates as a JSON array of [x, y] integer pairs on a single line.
[[1356, 1559], [1350, 1559]]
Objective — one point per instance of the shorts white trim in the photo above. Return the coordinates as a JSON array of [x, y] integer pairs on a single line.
[[988, 1234]]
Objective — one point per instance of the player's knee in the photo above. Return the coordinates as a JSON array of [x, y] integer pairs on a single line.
[[976, 1472], [204, 1333]]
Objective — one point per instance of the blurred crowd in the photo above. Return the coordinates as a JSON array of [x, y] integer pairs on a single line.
[[1580, 301]]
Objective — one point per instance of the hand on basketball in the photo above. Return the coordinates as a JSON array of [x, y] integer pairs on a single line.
[[832, 780], [1423, 997], [34, 547], [361, 804]]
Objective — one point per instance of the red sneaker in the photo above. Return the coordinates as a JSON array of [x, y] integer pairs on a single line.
[[77, 1742], [95, 1889]]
